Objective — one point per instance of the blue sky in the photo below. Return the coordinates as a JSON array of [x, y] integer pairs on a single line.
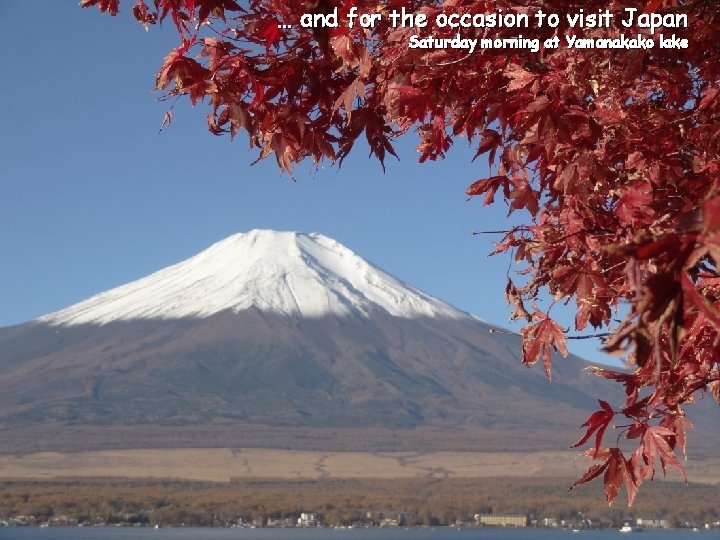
[[93, 197]]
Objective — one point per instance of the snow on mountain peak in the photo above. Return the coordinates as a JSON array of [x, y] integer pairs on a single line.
[[288, 273]]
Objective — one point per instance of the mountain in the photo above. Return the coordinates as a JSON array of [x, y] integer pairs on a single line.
[[279, 339]]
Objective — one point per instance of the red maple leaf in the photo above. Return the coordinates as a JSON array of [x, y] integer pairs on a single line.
[[540, 339], [617, 471], [271, 33], [598, 422], [110, 6]]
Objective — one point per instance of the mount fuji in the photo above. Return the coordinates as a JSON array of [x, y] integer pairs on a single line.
[[278, 339]]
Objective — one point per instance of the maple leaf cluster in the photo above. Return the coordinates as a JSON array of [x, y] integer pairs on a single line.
[[612, 154]]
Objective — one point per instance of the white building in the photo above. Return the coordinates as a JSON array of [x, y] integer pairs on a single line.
[[653, 523], [499, 520], [307, 519]]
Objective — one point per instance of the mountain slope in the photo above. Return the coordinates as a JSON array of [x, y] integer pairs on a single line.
[[273, 369]]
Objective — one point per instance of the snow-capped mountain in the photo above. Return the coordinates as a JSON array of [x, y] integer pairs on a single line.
[[289, 273], [278, 339]]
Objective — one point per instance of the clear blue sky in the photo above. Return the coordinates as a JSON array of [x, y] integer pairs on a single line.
[[92, 196]]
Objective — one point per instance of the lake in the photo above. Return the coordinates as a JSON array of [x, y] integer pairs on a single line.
[[439, 533]]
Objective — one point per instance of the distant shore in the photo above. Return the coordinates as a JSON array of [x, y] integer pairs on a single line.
[[402, 502]]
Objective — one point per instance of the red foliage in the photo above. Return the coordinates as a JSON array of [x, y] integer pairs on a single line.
[[613, 154]]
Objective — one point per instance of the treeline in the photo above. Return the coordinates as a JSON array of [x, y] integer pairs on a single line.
[[427, 501]]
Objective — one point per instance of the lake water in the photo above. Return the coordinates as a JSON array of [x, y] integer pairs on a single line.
[[440, 533]]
